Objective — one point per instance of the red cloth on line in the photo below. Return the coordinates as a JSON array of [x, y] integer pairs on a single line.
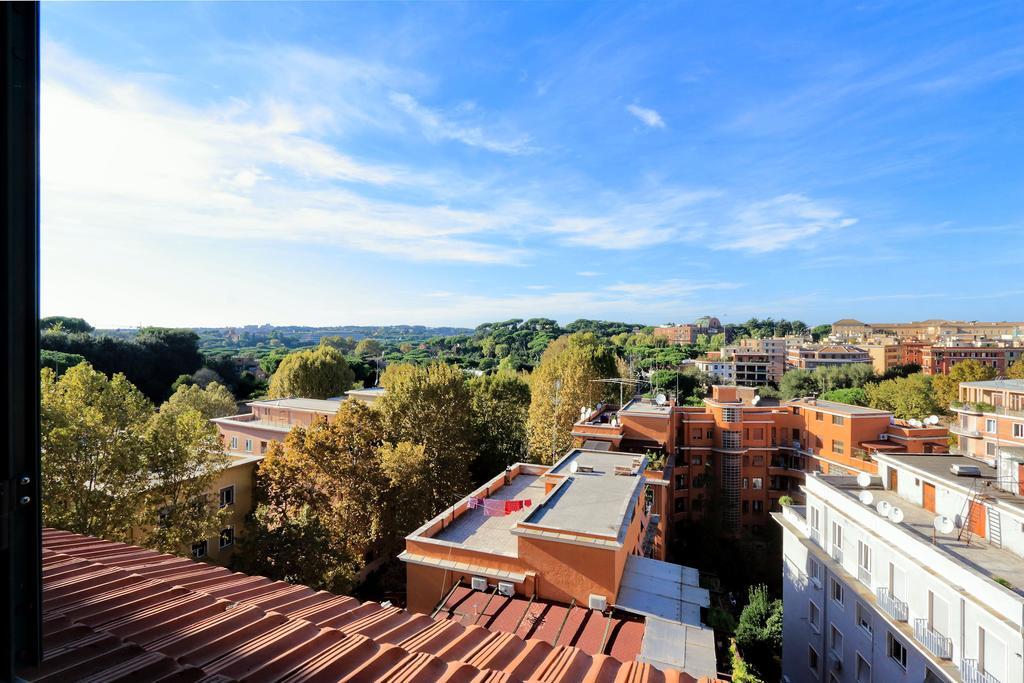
[[528, 502], [513, 506]]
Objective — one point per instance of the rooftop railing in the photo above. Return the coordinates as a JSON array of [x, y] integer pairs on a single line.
[[837, 553], [938, 644], [893, 606], [970, 673], [864, 575]]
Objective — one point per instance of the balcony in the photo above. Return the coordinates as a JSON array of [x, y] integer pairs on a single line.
[[864, 575], [938, 644], [963, 431], [970, 673], [815, 536], [893, 606]]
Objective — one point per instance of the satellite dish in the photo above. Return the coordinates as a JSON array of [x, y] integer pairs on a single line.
[[933, 419], [883, 508], [754, 401], [895, 515], [864, 480], [866, 497], [660, 399], [917, 423], [574, 467], [944, 524]]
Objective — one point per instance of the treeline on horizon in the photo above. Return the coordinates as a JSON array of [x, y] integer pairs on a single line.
[[158, 359]]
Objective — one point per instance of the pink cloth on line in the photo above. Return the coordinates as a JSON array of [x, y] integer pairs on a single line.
[[475, 502]]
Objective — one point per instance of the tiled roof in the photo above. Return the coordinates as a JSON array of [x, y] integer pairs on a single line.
[[115, 612]]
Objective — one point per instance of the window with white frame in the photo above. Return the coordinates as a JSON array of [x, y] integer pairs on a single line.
[[227, 537], [248, 445], [990, 426], [234, 443], [835, 640], [814, 616], [862, 670], [1018, 430], [991, 655], [199, 550], [814, 571], [812, 659], [864, 561], [990, 448], [227, 496], [864, 617], [837, 592], [896, 650]]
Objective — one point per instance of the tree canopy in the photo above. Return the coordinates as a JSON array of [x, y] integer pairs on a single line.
[[213, 401], [759, 633], [315, 373], [947, 387], [905, 397]]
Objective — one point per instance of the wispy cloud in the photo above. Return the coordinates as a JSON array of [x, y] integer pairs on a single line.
[[588, 273], [784, 221], [649, 117], [439, 127]]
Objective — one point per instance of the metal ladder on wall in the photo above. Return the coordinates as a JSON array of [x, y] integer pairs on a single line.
[[975, 499]]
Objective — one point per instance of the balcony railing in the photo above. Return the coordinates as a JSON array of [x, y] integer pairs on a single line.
[[837, 553], [938, 644], [963, 431], [815, 536], [864, 575], [893, 606], [970, 673]]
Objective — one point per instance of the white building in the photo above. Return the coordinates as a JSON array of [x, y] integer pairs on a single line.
[[889, 598]]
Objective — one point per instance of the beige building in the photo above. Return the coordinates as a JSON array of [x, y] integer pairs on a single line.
[[849, 328], [811, 356], [885, 355]]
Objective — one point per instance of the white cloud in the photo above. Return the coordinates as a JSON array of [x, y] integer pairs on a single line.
[[588, 273], [784, 221], [649, 117], [437, 126]]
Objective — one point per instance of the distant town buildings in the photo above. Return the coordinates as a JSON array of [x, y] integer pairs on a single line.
[[927, 330], [687, 333], [748, 363], [916, 574], [813, 356], [743, 454]]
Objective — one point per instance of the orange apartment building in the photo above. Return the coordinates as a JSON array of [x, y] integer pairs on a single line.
[[587, 539], [743, 454], [849, 328], [990, 426], [939, 360], [811, 356], [687, 333]]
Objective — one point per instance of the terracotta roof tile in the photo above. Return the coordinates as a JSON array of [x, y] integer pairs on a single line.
[[114, 612]]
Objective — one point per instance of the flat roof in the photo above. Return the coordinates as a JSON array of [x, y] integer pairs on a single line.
[[646, 405], [313, 405], [992, 561], [837, 407], [1011, 384], [590, 502], [475, 530], [937, 467], [368, 391]]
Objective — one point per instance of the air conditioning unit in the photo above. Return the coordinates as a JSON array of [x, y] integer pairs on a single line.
[[479, 583], [598, 602], [507, 588]]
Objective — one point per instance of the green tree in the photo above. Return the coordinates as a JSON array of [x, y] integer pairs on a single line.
[[213, 401], [94, 452], [1016, 370], [560, 385], [500, 405], [431, 407], [270, 362], [905, 397], [947, 387], [854, 396], [759, 633], [316, 373], [819, 332], [410, 499], [369, 348], [344, 344], [797, 383], [65, 324], [59, 361], [185, 458]]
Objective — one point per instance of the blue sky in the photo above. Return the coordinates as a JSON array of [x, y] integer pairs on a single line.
[[232, 163]]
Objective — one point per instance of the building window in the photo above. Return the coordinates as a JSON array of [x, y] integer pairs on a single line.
[[744, 506], [680, 505], [227, 537], [897, 651], [1018, 430], [990, 426], [227, 496], [199, 550], [837, 593], [814, 571], [838, 447], [838, 419], [681, 481], [758, 460], [863, 670], [812, 658], [863, 617], [695, 460], [746, 483], [819, 416], [697, 505], [864, 562], [234, 443], [814, 616], [835, 640], [990, 448], [263, 447], [248, 445], [698, 481], [757, 483], [757, 506]]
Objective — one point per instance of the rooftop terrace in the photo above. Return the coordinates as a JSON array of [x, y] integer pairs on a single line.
[[473, 529], [646, 405], [936, 467], [309, 405]]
